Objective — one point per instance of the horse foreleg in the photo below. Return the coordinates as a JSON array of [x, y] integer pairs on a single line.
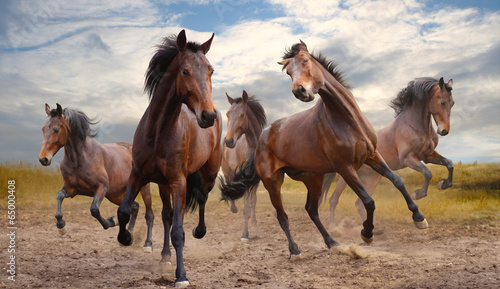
[[146, 197], [166, 217], [178, 190], [125, 209], [370, 180], [246, 216], [351, 178], [253, 204], [61, 195], [96, 203], [436, 158], [133, 217], [415, 164], [314, 184], [377, 163]]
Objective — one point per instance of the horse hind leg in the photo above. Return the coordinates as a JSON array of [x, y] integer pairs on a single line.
[[166, 216], [378, 164], [246, 217]]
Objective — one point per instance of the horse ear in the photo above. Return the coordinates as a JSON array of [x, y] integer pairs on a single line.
[[229, 99], [47, 109], [206, 46], [244, 96], [181, 41], [284, 63], [441, 83], [59, 109], [450, 82], [303, 46]]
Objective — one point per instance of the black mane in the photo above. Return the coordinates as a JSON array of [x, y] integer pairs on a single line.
[[330, 65], [417, 89], [256, 108], [79, 123], [165, 54]]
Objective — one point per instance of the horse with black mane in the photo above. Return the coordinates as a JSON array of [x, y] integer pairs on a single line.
[[90, 168], [177, 143]]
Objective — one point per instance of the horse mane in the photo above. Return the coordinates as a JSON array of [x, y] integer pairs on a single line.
[[79, 123], [256, 108], [161, 60], [330, 65], [416, 90]]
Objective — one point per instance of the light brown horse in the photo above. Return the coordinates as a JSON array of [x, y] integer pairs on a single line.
[[177, 143], [246, 119], [332, 136], [409, 139], [90, 168]]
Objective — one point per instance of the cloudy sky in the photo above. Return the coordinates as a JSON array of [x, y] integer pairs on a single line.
[[92, 55]]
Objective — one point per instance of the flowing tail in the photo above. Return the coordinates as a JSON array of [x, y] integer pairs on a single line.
[[327, 182], [245, 178], [193, 191]]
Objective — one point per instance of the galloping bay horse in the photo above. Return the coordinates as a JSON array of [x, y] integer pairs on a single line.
[[332, 136], [409, 139], [177, 143], [90, 168], [246, 119]]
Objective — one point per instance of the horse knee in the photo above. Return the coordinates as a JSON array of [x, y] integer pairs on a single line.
[[123, 215], [95, 212], [369, 204], [134, 208]]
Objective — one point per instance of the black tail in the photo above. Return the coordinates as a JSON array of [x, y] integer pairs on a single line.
[[245, 178], [193, 191]]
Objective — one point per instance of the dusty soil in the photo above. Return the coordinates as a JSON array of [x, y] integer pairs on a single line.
[[447, 255]]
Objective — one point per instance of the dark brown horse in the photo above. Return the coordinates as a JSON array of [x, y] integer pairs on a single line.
[[88, 167], [409, 139], [332, 136], [246, 119], [177, 143]]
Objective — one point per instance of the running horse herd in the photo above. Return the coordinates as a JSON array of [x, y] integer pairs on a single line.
[[177, 144]]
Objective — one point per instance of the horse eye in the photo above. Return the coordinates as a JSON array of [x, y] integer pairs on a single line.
[[443, 102], [306, 61], [185, 71], [56, 130], [242, 115]]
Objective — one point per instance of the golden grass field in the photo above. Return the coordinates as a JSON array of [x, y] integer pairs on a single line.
[[475, 192]]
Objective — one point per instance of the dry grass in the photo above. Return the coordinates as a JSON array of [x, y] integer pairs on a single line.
[[475, 194]]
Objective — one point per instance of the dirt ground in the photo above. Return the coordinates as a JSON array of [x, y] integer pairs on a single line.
[[446, 255]]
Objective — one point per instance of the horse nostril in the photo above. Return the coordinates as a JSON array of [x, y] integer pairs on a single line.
[[208, 118], [444, 132], [44, 161], [302, 89]]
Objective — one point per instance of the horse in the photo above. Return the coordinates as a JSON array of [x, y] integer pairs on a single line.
[[409, 139], [246, 119], [332, 136], [90, 168], [177, 143]]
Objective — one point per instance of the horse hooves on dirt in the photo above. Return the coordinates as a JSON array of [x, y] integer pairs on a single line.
[[295, 256], [244, 240], [182, 284], [421, 225], [147, 249], [367, 240], [62, 231]]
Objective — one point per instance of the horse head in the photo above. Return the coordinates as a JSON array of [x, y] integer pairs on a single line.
[[55, 134], [440, 106], [194, 79], [237, 119], [305, 72]]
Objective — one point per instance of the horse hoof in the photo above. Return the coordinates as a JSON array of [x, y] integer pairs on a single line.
[[421, 225], [62, 231], [367, 240], [244, 240], [182, 284], [443, 185], [295, 256], [115, 221], [147, 249], [125, 238], [234, 210], [199, 235]]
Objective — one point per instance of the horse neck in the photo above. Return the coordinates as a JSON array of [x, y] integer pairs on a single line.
[[418, 116], [165, 106], [75, 149], [253, 132]]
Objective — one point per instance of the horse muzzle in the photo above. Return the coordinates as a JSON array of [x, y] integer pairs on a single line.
[[301, 94], [230, 142], [207, 119], [44, 161]]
